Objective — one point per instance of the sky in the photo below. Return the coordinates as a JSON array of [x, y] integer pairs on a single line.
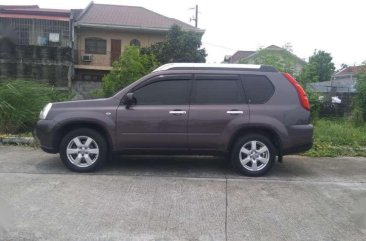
[[337, 26]]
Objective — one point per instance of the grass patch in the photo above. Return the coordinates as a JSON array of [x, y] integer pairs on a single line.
[[338, 137], [21, 101]]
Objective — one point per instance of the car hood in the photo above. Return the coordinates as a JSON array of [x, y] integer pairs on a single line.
[[83, 108], [95, 103]]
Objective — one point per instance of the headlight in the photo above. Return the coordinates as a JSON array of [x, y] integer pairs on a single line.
[[45, 111]]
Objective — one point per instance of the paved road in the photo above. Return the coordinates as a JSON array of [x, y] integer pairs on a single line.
[[175, 198]]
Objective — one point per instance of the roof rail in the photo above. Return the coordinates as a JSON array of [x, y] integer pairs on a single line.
[[204, 66]]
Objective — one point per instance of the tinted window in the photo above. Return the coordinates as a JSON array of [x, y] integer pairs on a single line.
[[258, 88], [166, 92], [217, 92]]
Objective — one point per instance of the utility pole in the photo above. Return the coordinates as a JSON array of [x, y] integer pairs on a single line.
[[195, 18]]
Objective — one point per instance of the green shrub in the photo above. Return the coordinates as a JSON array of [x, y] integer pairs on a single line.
[[131, 66], [357, 116], [96, 94], [21, 101], [314, 103], [359, 111]]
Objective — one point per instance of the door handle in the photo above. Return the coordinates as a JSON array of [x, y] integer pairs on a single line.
[[235, 112], [177, 112]]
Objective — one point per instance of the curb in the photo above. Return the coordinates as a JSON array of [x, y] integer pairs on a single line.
[[17, 140]]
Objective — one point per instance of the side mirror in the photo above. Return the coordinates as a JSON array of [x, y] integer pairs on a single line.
[[129, 100]]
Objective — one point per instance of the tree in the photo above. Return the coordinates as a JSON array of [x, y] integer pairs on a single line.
[[309, 74], [180, 46], [323, 64], [288, 47], [131, 66]]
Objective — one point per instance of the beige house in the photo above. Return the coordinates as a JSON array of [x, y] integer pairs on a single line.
[[103, 31]]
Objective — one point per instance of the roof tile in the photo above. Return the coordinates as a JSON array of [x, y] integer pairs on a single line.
[[119, 15]]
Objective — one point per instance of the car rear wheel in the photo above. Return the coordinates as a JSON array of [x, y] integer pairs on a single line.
[[253, 155], [83, 150]]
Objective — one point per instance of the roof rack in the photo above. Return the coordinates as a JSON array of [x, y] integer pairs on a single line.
[[204, 66]]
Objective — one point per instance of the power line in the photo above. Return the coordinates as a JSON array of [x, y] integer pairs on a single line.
[[219, 46]]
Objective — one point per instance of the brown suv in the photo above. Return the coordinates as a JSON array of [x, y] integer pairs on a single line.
[[251, 112]]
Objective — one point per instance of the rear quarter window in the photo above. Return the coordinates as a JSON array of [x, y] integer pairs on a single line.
[[258, 88]]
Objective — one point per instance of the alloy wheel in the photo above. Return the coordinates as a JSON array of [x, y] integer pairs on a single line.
[[254, 155], [82, 151]]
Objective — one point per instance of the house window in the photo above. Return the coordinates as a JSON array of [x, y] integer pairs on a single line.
[[95, 46], [135, 42]]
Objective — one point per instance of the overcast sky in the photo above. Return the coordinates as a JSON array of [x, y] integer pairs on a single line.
[[337, 26]]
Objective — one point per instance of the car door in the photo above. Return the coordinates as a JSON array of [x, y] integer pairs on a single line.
[[159, 118], [218, 104]]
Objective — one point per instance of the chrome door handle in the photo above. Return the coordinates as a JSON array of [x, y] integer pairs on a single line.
[[177, 112], [235, 112]]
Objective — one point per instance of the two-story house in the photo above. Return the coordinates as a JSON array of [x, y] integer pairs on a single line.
[[74, 48], [103, 31]]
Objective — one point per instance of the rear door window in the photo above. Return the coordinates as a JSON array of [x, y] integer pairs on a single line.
[[216, 89], [258, 88]]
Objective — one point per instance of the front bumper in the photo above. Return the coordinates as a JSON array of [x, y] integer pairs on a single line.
[[45, 134]]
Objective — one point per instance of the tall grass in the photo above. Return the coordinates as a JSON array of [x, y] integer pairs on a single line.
[[21, 102], [338, 137]]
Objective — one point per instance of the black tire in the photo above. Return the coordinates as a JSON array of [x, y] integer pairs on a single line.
[[260, 141], [98, 159]]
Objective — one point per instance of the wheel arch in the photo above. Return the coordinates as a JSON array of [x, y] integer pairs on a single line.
[[65, 128], [262, 130]]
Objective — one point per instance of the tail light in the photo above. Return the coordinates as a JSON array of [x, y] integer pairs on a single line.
[[300, 91]]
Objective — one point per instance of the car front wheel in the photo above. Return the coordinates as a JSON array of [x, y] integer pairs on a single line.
[[83, 150], [253, 155]]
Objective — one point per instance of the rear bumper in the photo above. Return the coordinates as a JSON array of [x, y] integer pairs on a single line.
[[300, 139], [44, 133], [298, 149]]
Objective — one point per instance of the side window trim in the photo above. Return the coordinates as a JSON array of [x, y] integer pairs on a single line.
[[242, 79], [198, 77], [162, 78]]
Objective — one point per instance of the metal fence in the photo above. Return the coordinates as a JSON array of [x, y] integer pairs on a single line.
[[336, 103], [36, 32]]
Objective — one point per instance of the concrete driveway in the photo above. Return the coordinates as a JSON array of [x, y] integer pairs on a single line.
[[175, 198]]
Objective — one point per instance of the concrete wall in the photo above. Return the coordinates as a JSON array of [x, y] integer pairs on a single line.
[[84, 89], [46, 64]]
